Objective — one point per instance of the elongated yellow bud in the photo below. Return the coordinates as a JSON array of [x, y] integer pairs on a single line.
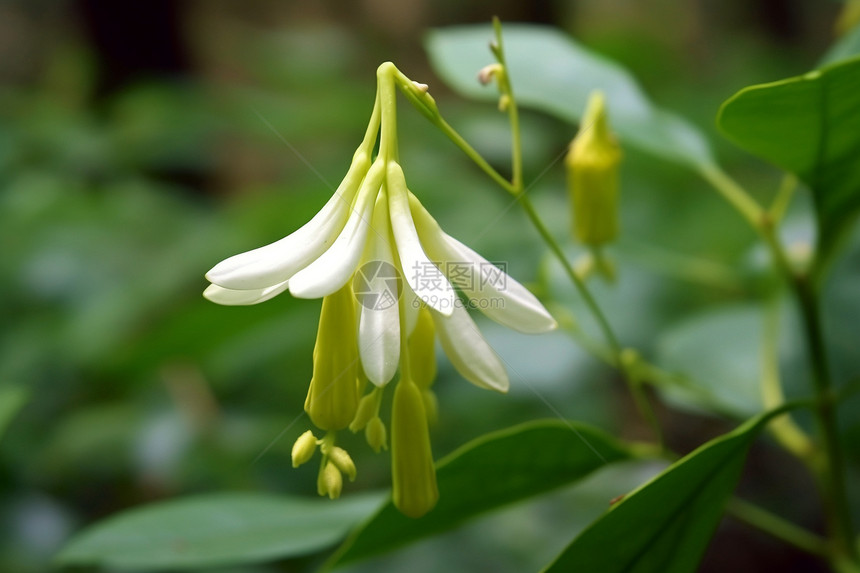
[[413, 475], [332, 398], [422, 350], [304, 448], [592, 176]]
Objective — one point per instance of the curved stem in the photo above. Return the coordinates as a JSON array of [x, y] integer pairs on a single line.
[[777, 527], [388, 101], [831, 468]]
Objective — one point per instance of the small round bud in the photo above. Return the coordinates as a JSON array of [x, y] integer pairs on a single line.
[[487, 73], [376, 434], [304, 448], [344, 463]]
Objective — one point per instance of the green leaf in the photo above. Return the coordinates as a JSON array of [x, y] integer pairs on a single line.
[[217, 529], [551, 72], [719, 353], [808, 125], [490, 472], [665, 525]]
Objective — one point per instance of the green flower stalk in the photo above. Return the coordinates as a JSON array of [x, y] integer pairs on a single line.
[[592, 176]]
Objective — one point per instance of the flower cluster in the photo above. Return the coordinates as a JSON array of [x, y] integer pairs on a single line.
[[374, 222]]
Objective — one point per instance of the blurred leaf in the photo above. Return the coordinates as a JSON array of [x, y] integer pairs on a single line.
[[492, 471], [553, 73], [846, 47], [719, 352], [12, 399], [217, 529], [665, 525], [809, 125]]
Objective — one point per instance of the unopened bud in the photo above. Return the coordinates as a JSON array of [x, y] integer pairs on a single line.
[[304, 448], [367, 408], [431, 406], [330, 482], [333, 395], [422, 350], [376, 435], [344, 463], [413, 475], [487, 73], [592, 176]]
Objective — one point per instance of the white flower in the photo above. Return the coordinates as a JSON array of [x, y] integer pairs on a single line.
[[373, 227], [374, 217]]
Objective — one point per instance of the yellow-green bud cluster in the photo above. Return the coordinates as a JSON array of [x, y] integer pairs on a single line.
[[592, 176]]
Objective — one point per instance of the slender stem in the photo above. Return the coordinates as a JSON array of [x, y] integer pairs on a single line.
[[831, 469], [583, 291], [839, 513], [470, 152], [734, 194], [783, 428], [783, 197], [388, 101], [777, 526], [505, 88]]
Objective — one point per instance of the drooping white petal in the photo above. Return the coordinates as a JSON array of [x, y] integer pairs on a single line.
[[232, 297], [467, 350], [493, 292], [425, 279], [376, 288], [276, 262], [331, 270]]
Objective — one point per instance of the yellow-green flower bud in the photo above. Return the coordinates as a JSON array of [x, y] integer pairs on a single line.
[[422, 350], [333, 395], [304, 448], [329, 481], [592, 176], [368, 408], [413, 475], [344, 463], [376, 435], [431, 406]]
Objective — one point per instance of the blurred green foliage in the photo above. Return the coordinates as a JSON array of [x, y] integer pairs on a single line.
[[120, 385]]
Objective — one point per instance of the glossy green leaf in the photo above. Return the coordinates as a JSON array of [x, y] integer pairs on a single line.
[[553, 73], [718, 352], [218, 529], [808, 125], [490, 472], [665, 525]]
